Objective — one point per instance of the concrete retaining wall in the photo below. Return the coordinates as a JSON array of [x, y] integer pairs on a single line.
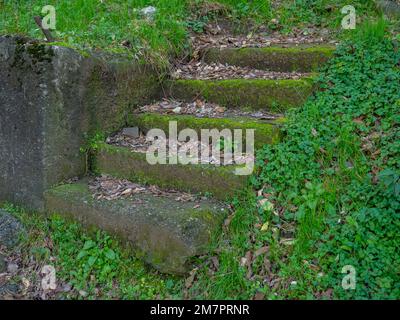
[[51, 99]]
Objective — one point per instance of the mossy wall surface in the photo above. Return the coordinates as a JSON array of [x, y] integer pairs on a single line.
[[274, 58], [115, 88], [271, 95], [52, 100]]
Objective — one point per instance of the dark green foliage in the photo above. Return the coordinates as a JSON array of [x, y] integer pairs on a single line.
[[345, 143]]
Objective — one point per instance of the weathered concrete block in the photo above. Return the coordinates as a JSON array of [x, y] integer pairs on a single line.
[[10, 229], [51, 99], [254, 94], [167, 232]]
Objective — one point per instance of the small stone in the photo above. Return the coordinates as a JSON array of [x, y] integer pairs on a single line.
[[66, 288], [10, 229], [131, 132], [83, 293], [12, 268], [148, 12], [177, 110]]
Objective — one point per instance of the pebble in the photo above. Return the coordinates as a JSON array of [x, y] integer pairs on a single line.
[[131, 132], [12, 268]]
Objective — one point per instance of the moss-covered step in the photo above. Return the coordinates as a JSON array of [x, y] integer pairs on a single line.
[[302, 58], [165, 232], [255, 94], [219, 181], [389, 8], [266, 131]]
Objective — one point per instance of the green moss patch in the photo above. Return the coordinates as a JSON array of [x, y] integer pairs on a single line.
[[121, 162], [271, 95], [266, 131], [292, 59]]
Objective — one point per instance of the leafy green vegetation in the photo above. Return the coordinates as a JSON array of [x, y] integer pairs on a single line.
[[329, 194]]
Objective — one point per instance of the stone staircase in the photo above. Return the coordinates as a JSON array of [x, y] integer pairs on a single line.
[[166, 230]]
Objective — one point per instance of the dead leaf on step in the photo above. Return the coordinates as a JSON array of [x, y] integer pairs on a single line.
[[259, 296], [126, 192], [218, 71]]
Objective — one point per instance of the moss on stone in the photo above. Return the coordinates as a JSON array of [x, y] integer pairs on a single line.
[[266, 132], [166, 232], [114, 90], [283, 59], [271, 95], [121, 162]]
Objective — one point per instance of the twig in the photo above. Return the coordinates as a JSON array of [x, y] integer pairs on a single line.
[[46, 32]]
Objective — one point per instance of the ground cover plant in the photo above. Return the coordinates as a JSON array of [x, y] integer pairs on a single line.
[[328, 196], [324, 200]]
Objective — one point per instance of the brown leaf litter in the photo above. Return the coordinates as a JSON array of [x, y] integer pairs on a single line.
[[109, 188], [23, 277], [219, 71], [221, 40], [202, 109]]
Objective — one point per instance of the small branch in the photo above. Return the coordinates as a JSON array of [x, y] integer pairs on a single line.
[[46, 32]]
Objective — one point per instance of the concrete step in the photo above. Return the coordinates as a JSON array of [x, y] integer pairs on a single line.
[[266, 131], [254, 94], [221, 182], [293, 58], [165, 231]]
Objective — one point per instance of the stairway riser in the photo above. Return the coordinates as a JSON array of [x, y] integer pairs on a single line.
[[221, 182], [271, 58], [267, 95], [266, 132]]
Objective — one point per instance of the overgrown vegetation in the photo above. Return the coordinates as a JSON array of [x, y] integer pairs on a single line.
[[329, 195]]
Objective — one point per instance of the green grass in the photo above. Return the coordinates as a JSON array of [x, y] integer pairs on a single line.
[[106, 25], [321, 13]]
